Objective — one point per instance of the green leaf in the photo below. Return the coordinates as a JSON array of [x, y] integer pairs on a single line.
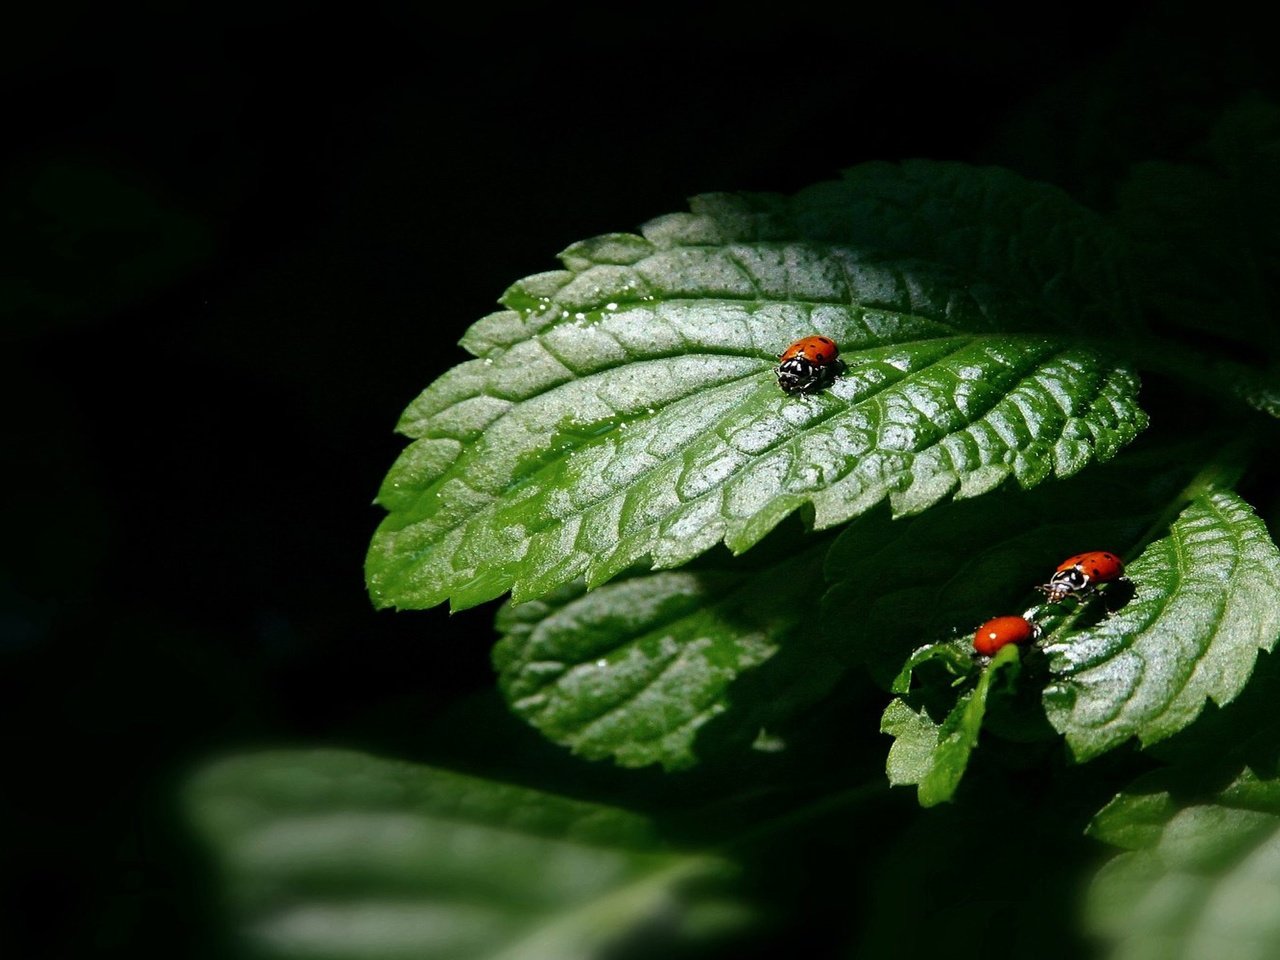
[[1201, 878], [935, 756], [956, 657], [915, 739], [330, 855], [625, 408], [896, 584], [1205, 603], [634, 670]]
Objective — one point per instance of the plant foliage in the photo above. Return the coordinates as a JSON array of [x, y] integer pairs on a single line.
[[620, 426], [625, 408], [341, 855]]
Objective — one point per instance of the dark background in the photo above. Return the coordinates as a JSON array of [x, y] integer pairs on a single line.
[[234, 246]]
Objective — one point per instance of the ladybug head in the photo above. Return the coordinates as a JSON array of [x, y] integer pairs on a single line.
[[796, 374], [1073, 578], [1064, 583]]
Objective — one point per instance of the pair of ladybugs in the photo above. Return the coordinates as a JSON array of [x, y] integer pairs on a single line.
[[1076, 576]]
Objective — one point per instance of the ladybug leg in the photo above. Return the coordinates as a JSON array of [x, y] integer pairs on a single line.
[[1105, 595], [1029, 615]]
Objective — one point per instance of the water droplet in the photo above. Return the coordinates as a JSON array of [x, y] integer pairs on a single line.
[[1059, 695], [767, 742]]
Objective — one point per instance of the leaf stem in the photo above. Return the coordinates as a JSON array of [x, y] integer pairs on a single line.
[[1221, 472], [1251, 386]]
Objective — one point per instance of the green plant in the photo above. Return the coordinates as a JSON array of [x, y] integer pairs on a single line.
[[729, 582]]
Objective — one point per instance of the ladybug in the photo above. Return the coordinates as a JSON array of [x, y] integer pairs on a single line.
[[1082, 574], [810, 363], [1001, 631]]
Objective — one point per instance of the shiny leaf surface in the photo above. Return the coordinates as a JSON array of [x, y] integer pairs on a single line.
[[635, 669], [1206, 600], [625, 408]]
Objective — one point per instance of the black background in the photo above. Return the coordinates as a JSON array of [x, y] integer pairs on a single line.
[[235, 245]]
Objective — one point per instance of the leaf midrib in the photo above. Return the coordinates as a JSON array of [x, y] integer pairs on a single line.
[[970, 416], [1224, 523], [700, 350], [833, 411]]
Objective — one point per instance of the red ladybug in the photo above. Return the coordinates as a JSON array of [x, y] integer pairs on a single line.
[[1080, 575], [810, 363], [1001, 631]]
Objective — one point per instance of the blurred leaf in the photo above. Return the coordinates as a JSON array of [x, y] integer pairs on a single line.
[[625, 408], [935, 755], [331, 855], [1201, 880], [636, 668], [1262, 392], [1206, 601]]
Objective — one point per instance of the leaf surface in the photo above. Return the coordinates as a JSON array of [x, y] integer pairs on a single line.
[[635, 669], [625, 408], [338, 855], [1206, 600]]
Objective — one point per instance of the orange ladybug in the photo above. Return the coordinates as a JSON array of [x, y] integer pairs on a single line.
[[1001, 631], [810, 363], [1082, 574]]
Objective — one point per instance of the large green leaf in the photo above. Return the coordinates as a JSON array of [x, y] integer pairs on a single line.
[[625, 408], [636, 668], [331, 855], [1207, 599], [1201, 878]]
